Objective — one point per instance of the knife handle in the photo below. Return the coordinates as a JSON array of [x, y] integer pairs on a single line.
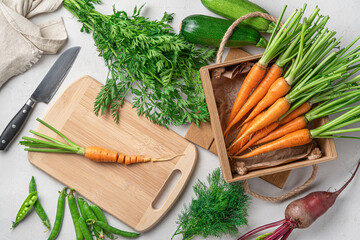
[[16, 124]]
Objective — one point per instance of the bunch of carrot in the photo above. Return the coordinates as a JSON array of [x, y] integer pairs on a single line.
[[313, 73], [94, 153]]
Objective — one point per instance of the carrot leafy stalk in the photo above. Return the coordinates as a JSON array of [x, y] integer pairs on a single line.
[[334, 67], [279, 38], [276, 69], [325, 109], [94, 153], [146, 59], [304, 136]]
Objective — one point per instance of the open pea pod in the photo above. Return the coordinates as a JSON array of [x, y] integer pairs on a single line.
[[25, 207]]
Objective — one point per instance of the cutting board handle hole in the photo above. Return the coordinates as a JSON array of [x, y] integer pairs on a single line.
[[166, 189]]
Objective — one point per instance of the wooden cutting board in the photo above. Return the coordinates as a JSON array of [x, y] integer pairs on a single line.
[[130, 193]]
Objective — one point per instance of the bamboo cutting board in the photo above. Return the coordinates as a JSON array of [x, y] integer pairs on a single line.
[[130, 193]]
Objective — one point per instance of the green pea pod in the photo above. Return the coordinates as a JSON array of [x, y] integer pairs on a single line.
[[101, 217], [97, 234], [25, 208], [116, 231], [59, 215], [90, 215], [84, 229], [37, 206], [75, 215], [80, 202]]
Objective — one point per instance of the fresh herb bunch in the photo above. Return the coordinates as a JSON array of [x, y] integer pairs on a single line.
[[145, 58], [218, 209]]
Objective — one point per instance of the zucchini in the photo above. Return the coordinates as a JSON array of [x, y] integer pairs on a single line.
[[206, 30], [234, 9]]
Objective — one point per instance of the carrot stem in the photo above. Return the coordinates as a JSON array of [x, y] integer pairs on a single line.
[[336, 123], [57, 132]]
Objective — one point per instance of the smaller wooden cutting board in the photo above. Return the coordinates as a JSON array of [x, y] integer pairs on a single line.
[[127, 192]]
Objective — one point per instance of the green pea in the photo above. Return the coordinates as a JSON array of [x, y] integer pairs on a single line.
[[59, 215], [116, 231], [84, 229], [75, 215], [33, 198], [90, 215], [37, 205], [101, 217], [22, 212]]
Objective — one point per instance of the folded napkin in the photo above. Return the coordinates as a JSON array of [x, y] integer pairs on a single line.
[[22, 42]]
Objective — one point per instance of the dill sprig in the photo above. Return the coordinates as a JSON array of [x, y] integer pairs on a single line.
[[148, 60], [219, 208]]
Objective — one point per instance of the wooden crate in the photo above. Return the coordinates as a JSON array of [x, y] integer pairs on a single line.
[[327, 146]]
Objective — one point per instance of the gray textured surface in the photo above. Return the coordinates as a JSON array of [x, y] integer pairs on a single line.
[[340, 222]]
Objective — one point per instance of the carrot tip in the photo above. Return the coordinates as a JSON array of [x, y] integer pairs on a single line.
[[165, 159]]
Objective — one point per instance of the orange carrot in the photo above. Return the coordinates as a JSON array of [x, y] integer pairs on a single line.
[[298, 138], [132, 159], [234, 148], [253, 77], [237, 145], [99, 154], [259, 135], [292, 126], [277, 90], [304, 108], [270, 115], [274, 73]]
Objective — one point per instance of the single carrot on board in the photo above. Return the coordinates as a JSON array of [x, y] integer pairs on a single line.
[[94, 153]]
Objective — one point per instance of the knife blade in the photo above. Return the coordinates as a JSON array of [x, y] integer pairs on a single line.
[[43, 93]]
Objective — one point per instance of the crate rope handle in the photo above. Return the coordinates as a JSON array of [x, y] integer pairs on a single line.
[[218, 60], [286, 195], [234, 25]]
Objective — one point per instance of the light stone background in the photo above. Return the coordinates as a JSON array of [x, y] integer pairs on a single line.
[[340, 222]]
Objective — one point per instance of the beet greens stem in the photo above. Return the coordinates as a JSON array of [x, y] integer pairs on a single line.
[[261, 228], [286, 235], [279, 232]]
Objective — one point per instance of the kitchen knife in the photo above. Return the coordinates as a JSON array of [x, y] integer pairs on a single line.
[[43, 93]]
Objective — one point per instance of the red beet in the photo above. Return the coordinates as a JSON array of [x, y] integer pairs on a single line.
[[302, 213]]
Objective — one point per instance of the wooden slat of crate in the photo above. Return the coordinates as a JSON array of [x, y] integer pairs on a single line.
[[203, 135]]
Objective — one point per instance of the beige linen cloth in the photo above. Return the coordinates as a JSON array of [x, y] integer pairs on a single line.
[[22, 42]]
